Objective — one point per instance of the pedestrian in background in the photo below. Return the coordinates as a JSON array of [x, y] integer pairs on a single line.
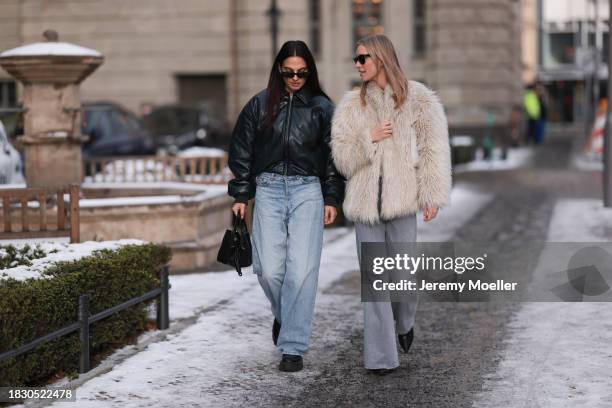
[[531, 103], [280, 154], [390, 140], [541, 126]]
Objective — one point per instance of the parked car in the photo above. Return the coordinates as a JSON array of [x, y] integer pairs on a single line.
[[11, 165], [177, 127], [13, 123], [114, 131]]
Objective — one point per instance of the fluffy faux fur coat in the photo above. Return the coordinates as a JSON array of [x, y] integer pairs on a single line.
[[415, 162]]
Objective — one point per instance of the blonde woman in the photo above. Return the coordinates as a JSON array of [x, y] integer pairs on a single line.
[[390, 140]]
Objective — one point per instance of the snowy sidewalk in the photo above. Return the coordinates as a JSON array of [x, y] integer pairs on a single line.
[[226, 358], [559, 354]]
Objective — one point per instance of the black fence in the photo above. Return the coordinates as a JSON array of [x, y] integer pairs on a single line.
[[82, 325]]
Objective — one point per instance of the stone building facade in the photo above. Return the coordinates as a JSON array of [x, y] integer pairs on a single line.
[[219, 52]]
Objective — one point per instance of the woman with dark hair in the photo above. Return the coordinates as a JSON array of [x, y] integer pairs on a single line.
[[280, 154]]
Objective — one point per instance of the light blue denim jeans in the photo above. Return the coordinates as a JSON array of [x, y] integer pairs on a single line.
[[287, 242]]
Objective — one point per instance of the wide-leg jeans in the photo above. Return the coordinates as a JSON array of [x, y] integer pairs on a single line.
[[287, 240]]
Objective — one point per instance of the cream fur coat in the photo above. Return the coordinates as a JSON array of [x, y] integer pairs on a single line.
[[415, 162]]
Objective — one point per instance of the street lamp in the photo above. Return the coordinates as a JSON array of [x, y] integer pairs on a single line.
[[274, 14]]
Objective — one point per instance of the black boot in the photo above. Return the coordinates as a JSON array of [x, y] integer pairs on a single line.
[[291, 363], [405, 340], [276, 326], [381, 371]]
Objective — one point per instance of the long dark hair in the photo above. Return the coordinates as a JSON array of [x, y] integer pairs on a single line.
[[276, 83]]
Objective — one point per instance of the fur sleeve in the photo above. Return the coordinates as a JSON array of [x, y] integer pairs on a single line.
[[434, 169], [350, 148]]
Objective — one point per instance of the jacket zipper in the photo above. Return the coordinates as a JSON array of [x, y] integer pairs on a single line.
[[286, 134]]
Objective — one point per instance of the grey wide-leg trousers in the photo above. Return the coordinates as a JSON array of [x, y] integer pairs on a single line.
[[382, 318]]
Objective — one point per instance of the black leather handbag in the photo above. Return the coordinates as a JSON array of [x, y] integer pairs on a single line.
[[236, 246]]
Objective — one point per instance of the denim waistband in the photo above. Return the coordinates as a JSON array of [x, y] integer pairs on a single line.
[[264, 178]]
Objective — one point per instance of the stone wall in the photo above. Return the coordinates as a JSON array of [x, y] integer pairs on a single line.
[[10, 28], [472, 57], [192, 229], [145, 42]]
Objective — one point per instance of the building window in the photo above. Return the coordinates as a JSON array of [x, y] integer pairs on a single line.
[[315, 26], [206, 90], [367, 18], [8, 94], [419, 40], [559, 49]]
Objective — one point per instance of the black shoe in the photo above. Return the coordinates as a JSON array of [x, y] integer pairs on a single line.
[[275, 331], [405, 340], [381, 371], [291, 363]]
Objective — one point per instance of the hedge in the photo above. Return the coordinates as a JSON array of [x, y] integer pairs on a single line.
[[35, 307]]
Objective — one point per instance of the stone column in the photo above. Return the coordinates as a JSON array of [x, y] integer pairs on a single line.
[[473, 61]]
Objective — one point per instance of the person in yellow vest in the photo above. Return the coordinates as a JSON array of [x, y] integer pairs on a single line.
[[531, 103]]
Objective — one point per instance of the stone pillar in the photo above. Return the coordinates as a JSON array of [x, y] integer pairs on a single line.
[[52, 134], [473, 61]]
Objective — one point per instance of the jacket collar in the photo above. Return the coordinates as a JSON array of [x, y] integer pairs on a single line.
[[381, 99], [304, 95]]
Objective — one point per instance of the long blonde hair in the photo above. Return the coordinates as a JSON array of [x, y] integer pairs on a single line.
[[381, 48]]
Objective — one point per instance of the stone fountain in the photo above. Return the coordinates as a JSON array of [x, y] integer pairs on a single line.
[[51, 73], [188, 217]]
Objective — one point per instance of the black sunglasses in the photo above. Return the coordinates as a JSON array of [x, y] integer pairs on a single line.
[[291, 74], [361, 58]]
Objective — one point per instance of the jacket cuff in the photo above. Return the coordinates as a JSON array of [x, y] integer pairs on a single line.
[[369, 147], [329, 200], [242, 199]]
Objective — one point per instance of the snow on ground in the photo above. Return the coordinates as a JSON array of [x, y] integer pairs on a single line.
[[581, 220], [210, 192], [203, 192], [65, 252], [167, 185], [559, 354], [199, 151], [517, 157], [228, 355], [587, 162]]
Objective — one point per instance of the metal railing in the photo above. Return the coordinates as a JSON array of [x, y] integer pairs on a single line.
[[82, 325], [203, 169]]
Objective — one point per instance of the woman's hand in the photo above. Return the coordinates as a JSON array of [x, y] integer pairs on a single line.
[[239, 209], [429, 213], [381, 132], [330, 214]]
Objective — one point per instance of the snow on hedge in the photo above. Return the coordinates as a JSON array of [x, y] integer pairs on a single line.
[[60, 252]]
